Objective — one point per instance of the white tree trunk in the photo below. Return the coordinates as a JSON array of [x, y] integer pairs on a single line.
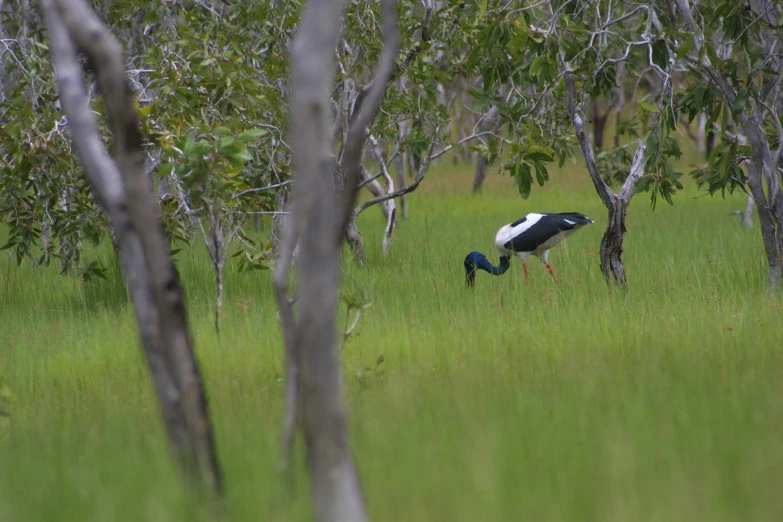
[[320, 217], [122, 188], [747, 216]]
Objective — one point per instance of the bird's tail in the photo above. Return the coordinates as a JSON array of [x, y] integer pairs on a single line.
[[576, 216]]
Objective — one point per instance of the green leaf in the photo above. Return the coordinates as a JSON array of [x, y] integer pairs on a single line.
[[165, 169], [224, 143], [538, 65], [481, 12], [243, 154], [660, 53], [541, 173], [686, 46], [740, 101], [252, 133], [724, 168], [646, 106]]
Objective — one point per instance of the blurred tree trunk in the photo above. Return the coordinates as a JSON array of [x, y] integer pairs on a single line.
[[121, 185], [488, 122], [279, 219], [337, 495], [320, 216], [620, 100], [599, 124]]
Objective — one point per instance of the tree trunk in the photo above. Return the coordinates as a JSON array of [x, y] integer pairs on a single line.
[[709, 144], [217, 251], [258, 222], [701, 140], [355, 241], [388, 208], [747, 216], [481, 172], [122, 187], [771, 235], [219, 296], [282, 207], [488, 122], [599, 125], [612, 243], [399, 167], [620, 105], [323, 217]]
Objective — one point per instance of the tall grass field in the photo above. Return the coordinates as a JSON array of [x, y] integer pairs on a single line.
[[517, 401]]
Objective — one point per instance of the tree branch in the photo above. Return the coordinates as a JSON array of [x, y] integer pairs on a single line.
[[318, 211], [399, 69], [357, 132], [263, 189], [578, 119], [425, 163], [122, 187], [285, 305]]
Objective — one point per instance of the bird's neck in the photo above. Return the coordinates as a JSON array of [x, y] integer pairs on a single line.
[[505, 263]]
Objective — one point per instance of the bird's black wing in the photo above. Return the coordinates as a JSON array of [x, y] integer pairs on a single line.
[[546, 227]]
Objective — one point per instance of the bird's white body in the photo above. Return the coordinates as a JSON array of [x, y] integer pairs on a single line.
[[536, 234]]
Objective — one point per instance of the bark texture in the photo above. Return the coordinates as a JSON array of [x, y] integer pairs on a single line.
[[337, 495], [320, 217], [612, 243], [490, 122], [122, 188], [599, 124]]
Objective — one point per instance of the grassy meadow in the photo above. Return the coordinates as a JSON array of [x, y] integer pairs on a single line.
[[517, 401]]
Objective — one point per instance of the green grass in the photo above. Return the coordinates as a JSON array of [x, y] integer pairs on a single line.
[[517, 401]]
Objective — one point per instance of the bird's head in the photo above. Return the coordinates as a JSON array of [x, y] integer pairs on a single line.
[[472, 261]]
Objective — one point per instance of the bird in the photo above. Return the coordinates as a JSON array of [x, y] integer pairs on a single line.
[[535, 234]]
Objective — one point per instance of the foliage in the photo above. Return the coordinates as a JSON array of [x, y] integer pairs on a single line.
[[739, 54], [211, 83], [518, 70], [44, 200], [661, 179], [522, 55]]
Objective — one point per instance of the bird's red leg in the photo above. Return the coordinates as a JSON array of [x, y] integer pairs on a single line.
[[524, 265], [549, 267]]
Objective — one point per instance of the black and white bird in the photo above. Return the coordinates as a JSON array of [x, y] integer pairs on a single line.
[[535, 234]]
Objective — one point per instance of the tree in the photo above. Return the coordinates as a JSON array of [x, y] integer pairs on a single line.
[[320, 213], [215, 153], [43, 200], [552, 57], [122, 187], [213, 111], [743, 88]]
